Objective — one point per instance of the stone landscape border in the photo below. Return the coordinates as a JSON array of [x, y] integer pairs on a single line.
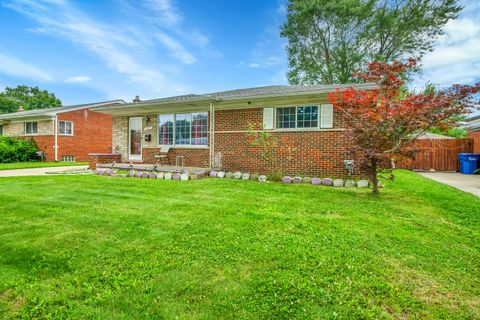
[[184, 175]]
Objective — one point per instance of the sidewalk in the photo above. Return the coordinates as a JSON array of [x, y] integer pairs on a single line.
[[465, 182], [37, 171]]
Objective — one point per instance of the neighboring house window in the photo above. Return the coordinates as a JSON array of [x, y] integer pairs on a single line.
[[183, 128], [68, 158], [304, 117], [31, 128], [165, 129], [65, 128], [190, 129], [199, 129]]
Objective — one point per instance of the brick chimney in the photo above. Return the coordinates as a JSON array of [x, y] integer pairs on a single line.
[[20, 109], [136, 99]]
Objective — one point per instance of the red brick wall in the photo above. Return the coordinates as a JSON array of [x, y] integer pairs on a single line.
[[475, 136], [238, 119], [314, 153], [298, 153], [92, 134], [45, 144]]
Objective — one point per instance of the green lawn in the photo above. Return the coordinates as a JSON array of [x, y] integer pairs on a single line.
[[93, 247], [27, 165]]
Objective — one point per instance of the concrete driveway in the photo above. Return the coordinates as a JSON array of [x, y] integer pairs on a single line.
[[37, 171], [465, 182]]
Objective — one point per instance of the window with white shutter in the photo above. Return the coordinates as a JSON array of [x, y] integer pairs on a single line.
[[326, 116], [267, 118]]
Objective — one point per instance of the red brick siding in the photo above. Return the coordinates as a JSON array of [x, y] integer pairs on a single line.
[[92, 134], [475, 136], [45, 144], [315, 153], [238, 119], [304, 153]]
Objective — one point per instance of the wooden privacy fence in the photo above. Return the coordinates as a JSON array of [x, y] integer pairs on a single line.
[[438, 154]]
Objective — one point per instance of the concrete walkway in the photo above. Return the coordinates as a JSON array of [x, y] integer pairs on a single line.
[[465, 182], [37, 171]]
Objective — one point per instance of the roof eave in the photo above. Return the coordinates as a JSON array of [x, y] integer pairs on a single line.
[[147, 106]]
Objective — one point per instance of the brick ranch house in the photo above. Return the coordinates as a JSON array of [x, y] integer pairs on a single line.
[[67, 133], [210, 130]]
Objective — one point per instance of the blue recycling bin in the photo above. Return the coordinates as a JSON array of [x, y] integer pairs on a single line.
[[469, 162]]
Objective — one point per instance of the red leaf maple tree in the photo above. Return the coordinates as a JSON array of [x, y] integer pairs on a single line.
[[382, 122]]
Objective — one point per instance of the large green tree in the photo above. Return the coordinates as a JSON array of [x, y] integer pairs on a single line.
[[28, 98], [330, 40]]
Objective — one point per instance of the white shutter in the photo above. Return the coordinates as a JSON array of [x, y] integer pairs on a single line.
[[326, 116], [268, 118]]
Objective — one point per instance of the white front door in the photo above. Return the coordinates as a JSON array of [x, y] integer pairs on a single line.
[[135, 138]]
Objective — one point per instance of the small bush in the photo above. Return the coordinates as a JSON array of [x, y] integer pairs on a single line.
[[17, 150]]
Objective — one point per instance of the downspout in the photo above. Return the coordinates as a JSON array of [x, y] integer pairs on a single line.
[[212, 134], [55, 147]]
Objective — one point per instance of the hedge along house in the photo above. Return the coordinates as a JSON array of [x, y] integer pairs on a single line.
[[67, 133], [211, 130]]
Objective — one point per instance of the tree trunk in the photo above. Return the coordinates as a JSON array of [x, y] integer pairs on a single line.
[[374, 177]]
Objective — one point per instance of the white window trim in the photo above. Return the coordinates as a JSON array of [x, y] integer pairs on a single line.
[[25, 128], [181, 146], [65, 134], [317, 128]]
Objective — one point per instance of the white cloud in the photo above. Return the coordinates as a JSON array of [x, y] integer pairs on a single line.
[[166, 12], [78, 79], [118, 48], [167, 19], [456, 58], [176, 49], [16, 67]]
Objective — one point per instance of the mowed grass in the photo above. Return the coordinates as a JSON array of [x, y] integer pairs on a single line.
[[93, 247], [29, 165]]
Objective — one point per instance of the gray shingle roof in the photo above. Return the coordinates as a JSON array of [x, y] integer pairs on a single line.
[[183, 98], [256, 92], [282, 91], [55, 110]]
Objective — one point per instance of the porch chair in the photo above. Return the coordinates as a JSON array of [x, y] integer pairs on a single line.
[[162, 155]]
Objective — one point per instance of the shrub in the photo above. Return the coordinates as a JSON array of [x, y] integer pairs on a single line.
[[17, 150]]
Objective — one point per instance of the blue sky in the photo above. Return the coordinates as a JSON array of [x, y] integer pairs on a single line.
[[99, 50]]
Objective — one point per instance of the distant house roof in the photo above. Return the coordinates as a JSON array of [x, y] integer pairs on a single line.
[[473, 123], [237, 95], [51, 112], [430, 135]]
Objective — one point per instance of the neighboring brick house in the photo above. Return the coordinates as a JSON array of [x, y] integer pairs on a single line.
[[67, 133], [473, 127], [210, 130]]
